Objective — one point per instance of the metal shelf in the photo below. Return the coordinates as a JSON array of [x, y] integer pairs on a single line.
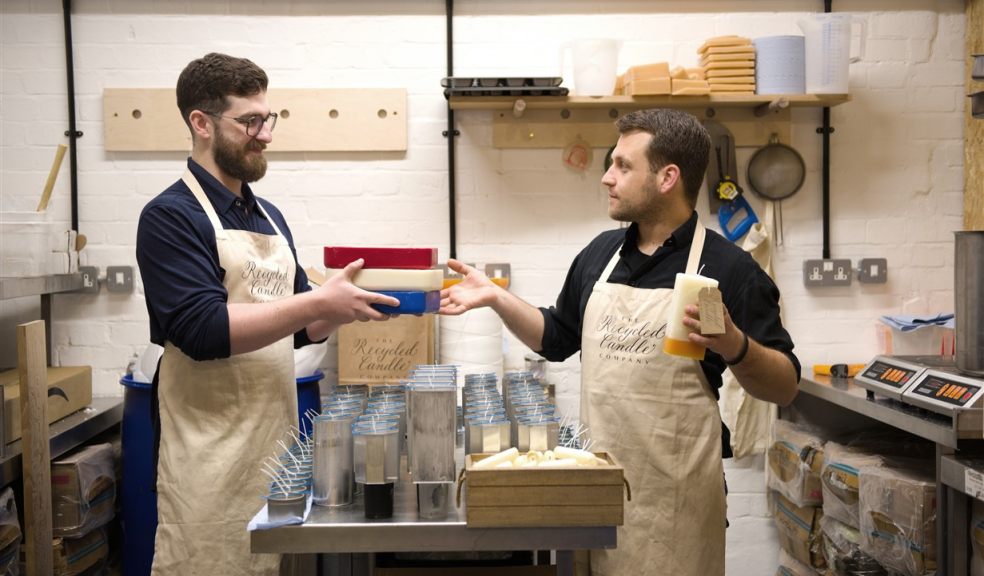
[[931, 426], [38, 285], [963, 474], [66, 434]]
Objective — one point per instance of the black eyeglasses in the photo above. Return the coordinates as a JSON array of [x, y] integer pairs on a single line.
[[252, 123]]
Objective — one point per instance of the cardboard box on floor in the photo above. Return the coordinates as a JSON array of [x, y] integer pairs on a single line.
[[74, 381], [799, 530], [83, 490], [73, 556]]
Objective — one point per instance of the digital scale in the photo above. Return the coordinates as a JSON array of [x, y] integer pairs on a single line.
[[930, 382]]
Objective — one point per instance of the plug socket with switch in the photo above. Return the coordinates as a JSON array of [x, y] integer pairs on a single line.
[[119, 278]]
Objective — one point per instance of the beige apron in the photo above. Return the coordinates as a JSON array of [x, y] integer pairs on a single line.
[[657, 416], [220, 418]]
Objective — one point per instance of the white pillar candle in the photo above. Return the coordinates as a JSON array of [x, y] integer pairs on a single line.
[[685, 291]]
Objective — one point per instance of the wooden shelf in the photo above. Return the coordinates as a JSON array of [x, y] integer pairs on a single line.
[[593, 102]]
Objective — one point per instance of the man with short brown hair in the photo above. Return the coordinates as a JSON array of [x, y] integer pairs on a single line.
[[228, 302]]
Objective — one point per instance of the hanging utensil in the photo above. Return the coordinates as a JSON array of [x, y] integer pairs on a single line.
[[722, 161], [776, 172]]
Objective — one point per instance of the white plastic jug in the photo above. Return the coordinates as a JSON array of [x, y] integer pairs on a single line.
[[594, 63], [828, 51]]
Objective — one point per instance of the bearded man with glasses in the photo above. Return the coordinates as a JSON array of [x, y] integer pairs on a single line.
[[228, 302]]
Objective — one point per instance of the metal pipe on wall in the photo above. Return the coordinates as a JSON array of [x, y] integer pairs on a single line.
[[450, 134], [72, 132]]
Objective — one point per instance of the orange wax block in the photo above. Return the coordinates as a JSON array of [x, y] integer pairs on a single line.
[[684, 348], [503, 282]]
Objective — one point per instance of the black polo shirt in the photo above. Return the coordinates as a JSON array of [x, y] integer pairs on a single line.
[[179, 263], [751, 297]]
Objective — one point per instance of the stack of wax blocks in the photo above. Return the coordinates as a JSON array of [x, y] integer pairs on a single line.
[[408, 274]]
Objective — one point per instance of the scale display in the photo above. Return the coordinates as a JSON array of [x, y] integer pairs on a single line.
[[889, 376], [944, 392]]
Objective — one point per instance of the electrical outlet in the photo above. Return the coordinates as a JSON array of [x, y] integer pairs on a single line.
[[827, 272], [873, 270], [450, 274], [497, 270], [119, 278], [90, 279]]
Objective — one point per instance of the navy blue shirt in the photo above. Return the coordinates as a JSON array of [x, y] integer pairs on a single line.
[[179, 263], [751, 297]]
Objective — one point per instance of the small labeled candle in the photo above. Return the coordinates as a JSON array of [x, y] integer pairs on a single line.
[[685, 291]]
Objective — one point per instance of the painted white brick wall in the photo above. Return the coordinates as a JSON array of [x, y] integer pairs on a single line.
[[896, 181]]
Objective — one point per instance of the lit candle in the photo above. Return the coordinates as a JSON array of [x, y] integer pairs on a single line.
[[685, 291]]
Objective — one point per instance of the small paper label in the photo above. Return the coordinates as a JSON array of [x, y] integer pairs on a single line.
[[974, 483], [711, 311]]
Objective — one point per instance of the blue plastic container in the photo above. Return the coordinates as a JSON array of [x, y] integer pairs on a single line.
[[308, 398], [139, 496]]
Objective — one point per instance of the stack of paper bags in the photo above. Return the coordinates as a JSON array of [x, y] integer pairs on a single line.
[[729, 64]]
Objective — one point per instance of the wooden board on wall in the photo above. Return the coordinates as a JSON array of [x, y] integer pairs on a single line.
[[311, 120], [557, 128], [973, 128]]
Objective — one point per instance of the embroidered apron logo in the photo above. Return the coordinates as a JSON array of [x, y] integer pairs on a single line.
[[627, 340], [265, 283], [389, 357]]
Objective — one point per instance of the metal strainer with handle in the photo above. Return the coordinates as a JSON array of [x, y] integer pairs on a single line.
[[775, 173]]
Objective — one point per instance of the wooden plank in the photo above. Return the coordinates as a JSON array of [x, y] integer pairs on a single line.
[[510, 496], [543, 516], [31, 364], [311, 120], [556, 128], [973, 209], [636, 102], [516, 477]]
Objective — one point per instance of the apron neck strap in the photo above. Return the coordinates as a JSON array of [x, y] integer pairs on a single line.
[[693, 259], [696, 248], [192, 183]]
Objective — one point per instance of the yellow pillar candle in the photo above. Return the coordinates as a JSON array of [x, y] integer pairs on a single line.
[[685, 291]]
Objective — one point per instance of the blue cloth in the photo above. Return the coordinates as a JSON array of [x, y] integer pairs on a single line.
[[179, 263], [262, 519], [907, 323]]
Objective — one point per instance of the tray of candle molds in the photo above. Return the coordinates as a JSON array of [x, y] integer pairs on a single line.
[[503, 86]]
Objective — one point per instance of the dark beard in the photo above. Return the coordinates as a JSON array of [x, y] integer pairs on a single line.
[[232, 159]]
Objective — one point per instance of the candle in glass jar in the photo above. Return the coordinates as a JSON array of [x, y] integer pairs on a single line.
[[685, 291]]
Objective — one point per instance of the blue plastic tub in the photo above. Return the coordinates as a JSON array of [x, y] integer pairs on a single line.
[[308, 398], [139, 496]]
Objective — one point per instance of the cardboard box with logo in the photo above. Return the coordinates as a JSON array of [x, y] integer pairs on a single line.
[[384, 352], [69, 390]]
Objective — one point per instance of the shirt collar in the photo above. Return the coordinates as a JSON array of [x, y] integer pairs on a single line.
[[221, 197], [682, 237]]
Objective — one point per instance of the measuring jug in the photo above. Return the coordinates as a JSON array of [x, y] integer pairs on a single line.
[[594, 63], [828, 51]]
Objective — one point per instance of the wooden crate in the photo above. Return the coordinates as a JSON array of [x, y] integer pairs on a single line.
[[541, 497]]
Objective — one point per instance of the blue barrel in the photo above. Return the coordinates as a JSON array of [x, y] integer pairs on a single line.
[[139, 496], [308, 398]]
